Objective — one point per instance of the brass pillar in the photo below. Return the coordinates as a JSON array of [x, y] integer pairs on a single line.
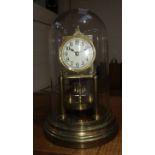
[[62, 96], [96, 108]]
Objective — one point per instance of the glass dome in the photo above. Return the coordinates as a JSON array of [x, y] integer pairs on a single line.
[[79, 108]]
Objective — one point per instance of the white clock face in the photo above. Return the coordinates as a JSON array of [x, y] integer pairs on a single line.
[[77, 54]]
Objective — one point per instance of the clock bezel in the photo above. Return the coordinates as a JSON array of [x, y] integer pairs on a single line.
[[86, 38]]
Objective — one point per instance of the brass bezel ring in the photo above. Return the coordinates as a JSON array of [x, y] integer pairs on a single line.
[[86, 39]]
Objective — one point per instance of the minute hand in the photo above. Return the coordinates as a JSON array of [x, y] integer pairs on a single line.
[[84, 50]]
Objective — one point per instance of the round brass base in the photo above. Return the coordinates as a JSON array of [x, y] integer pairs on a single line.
[[81, 134]]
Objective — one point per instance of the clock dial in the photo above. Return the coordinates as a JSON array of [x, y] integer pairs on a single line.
[[77, 54]]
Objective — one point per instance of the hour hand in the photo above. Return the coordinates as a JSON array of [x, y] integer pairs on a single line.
[[76, 52], [71, 49]]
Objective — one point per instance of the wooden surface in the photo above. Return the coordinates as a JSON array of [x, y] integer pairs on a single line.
[[43, 147]]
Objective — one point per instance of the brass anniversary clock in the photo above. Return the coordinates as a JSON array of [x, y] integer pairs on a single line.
[[80, 116]]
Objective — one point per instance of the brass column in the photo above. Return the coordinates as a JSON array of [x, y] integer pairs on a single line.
[[62, 96], [96, 108]]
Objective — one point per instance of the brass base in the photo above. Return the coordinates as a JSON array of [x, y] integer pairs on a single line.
[[81, 134]]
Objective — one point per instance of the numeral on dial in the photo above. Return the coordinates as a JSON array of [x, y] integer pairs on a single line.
[[77, 64], [76, 42], [82, 43], [71, 44], [66, 53], [82, 63], [67, 58], [71, 63]]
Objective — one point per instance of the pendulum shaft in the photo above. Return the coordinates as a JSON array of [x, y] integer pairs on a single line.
[[80, 92]]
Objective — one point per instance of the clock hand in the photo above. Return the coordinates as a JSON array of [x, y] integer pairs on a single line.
[[84, 50], [76, 52], [71, 50]]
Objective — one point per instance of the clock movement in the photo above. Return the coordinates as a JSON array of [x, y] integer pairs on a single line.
[[80, 116]]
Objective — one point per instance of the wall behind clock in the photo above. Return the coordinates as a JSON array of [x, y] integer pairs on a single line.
[[42, 19]]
